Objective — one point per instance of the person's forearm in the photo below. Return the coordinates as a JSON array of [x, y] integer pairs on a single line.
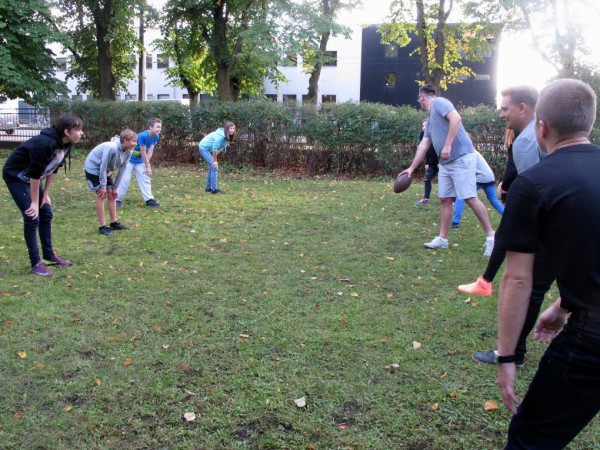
[[48, 184], [515, 290], [34, 188], [420, 154]]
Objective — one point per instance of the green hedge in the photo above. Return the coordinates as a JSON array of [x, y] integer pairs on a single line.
[[347, 138]]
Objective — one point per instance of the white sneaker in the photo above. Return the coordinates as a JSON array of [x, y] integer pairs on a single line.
[[488, 246], [438, 242]]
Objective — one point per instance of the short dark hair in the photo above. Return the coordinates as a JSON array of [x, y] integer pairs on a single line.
[[568, 107], [68, 121], [428, 89], [152, 121]]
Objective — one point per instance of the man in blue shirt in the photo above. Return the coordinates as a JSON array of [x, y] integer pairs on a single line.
[[140, 163]]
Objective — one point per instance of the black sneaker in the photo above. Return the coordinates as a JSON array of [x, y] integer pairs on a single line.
[[209, 191], [455, 226], [217, 191], [153, 203], [118, 226], [119, 204], [105, 231], [490, 357]]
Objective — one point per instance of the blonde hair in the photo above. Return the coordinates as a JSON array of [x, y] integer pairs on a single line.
[[127, 135], [568, 107]]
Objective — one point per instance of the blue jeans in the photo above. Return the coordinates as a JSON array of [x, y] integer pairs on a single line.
[[564, 394], [21, 194], [490, 193], [428, 178], [213, 173]]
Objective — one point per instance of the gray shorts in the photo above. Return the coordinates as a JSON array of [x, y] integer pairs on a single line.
[[458, 178]]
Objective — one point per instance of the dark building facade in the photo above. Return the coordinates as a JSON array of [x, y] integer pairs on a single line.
[[390, 75]]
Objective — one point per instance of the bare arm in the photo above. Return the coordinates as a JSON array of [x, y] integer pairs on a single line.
[[146, 159], [454, 120], [419, 155], [515, 290]]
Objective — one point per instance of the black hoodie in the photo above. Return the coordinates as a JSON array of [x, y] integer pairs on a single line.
[[36, 158]]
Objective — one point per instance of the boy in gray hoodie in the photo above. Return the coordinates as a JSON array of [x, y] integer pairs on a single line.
[[100, 164]]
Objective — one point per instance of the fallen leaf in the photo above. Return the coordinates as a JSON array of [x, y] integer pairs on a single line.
[[390, 295], [141, 264], [342, 426], [38, 367], [343, 320], [354, 294], [8, 324], [300, 402], [18, 415], [435, 406], [189, 417], [345, 280], [128, 362], [22, 355], [490, 405], [311, 447], [189, 393], [444, 375], [68, 408], [165, 346], [391, 258], [453, 395], [244, 335], [6, 294], [185, 367], [98, 382], [416, 345]]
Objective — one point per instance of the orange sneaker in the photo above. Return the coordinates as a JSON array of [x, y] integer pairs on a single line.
[[480, 287]]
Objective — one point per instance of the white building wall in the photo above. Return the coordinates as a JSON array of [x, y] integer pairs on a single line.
[[342, 80]]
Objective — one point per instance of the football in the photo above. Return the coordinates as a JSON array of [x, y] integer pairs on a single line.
[[402, 183]]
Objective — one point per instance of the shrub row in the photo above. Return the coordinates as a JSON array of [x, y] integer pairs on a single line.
[[348, 138]]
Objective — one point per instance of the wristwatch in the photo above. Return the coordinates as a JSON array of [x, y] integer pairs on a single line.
[[505, 359]]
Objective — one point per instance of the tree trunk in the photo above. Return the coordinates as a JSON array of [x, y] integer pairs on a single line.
[[315, 74], [313, 81], [106, 88]]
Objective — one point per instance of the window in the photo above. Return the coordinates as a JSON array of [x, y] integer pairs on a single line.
[[390, 79], [328, 98], [185, 96], [150, 97], [130, 97], [330, 58], [164, 96], [148, 61], [272, 97], [289, 98], [162, 62], [77, 97], [391, 51], [482, 77], [62, 64]]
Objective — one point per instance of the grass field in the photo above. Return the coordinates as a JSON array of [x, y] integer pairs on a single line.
[[233, 307]]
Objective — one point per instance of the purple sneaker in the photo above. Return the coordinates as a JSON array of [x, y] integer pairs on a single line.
[[41, 270], [58, 260]]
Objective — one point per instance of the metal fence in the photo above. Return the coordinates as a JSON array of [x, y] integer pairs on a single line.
[[19, 124]]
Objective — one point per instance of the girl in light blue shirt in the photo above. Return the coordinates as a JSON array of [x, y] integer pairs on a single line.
[[210, 147]]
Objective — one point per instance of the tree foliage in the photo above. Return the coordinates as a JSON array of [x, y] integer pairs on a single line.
[[226, 45], [27, 66], [314, 22], [103, 44], [444, 47], [555, 26]]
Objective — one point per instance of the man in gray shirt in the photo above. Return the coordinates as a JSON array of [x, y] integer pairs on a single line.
[[457, 176]]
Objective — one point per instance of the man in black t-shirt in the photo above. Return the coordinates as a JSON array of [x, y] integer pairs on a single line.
[[555, 207]]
